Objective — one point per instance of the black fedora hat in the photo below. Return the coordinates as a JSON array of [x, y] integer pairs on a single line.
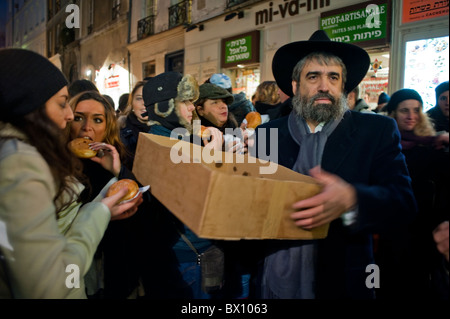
[[356, 59]]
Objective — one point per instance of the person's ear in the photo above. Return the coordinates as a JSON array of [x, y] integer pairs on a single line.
[[294, 87], [200, 110]]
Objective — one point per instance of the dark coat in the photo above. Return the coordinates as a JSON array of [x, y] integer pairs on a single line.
[[130, 133], [364, 150], [413, 244], [124, 244], [440, 121]]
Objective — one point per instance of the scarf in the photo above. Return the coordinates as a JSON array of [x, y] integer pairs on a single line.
[[135, 125], [410, 140], [289, 272]]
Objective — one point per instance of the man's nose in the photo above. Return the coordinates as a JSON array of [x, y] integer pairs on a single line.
[[324, 85]]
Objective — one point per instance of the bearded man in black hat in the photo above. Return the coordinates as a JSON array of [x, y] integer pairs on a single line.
[[343, 150]]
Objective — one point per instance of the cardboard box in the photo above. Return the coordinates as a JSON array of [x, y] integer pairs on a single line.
[[225, 198]]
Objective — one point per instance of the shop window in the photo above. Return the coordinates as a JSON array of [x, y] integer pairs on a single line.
[[426, 66], [175, 62], [244, 79], [376, 80], [148, 69]]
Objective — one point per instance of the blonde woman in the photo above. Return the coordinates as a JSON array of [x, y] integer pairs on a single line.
[[267, 99], [406, 107], [427, 163]]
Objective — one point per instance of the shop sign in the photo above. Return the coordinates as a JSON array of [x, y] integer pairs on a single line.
[[288, 9], [112, 82], [366, 24], [416, 10], [240, 49]]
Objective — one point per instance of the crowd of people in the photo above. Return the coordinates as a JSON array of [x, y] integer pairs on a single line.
[[384, 176]]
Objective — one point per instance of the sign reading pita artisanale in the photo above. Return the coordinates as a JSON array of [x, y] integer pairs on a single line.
[[365, 24]]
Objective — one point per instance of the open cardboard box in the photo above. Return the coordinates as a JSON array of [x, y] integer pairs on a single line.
[[225, 197]]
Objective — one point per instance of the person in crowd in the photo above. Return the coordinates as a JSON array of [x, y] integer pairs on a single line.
[[355, 103], [123, 103], [241, 105], [383, 100], [325, 140], [440, 236], [37, 255], [222, 80], [133, 120], [267, 100], [176, 94], [440, 275], [79, 86], [286, 103], [212, 109], [169, 100], [118, 256], [439, 113], [110, 100], [411, 252]]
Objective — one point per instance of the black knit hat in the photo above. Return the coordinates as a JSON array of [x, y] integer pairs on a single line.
[[27, 81], [383, 98], [441, 88], [400, 96]]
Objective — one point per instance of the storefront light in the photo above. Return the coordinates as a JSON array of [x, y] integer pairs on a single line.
[[241, 66]]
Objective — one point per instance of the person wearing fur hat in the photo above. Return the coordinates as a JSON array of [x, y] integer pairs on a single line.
[[427, 164], [342, 150], [40, 184], [439, 113], [169, 99]]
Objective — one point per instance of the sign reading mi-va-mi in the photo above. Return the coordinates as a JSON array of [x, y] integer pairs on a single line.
[[240, 49], [365, 22]]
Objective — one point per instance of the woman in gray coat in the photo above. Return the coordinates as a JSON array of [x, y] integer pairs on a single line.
[[44, 254]]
